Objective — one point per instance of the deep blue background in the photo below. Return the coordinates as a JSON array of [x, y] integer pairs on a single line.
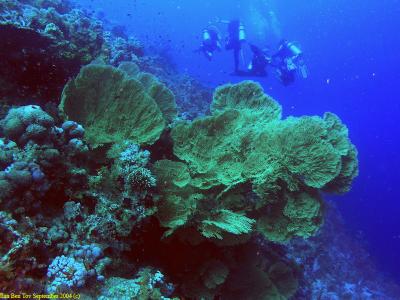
[[352, 50]]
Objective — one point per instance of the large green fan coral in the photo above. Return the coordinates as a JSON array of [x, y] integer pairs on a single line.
[[349, 162], [155, 88], [306, 150], [248, 96], [296, 214], [217, 147], [245, 148], [242, 170], [182, 202], [224, 221], [298, 150], [179, 199], [214, 148], [114, 107], [161, 94]]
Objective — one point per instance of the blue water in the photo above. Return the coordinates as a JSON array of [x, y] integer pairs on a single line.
[[352, 52]]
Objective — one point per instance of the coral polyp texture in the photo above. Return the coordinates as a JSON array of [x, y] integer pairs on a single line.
[[114, 107], [282, 163]]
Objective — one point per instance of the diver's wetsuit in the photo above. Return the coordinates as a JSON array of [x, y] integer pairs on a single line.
[[259, 62], [210, 44], [286, 76]]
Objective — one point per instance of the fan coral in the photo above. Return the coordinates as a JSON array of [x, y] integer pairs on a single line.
[[103, 98], [251, 149]]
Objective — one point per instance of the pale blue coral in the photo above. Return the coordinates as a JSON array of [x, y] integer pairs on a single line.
[[73, 271], [133, 155], [66, 273]]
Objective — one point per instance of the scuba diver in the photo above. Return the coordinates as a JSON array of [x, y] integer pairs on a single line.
[[289, 61], [210, 42], [259, 62], [235, 40]]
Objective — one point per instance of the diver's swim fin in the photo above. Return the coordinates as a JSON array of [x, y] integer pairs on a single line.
[[303, 71]]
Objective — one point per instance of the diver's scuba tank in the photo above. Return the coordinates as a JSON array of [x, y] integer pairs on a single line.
[[206, 35], [242, 33], [294, 49], [250, 66]]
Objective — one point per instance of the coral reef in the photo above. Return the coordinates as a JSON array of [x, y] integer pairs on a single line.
[[15, 260], [149, 284], [44, 41], [40, 167], [118, 49], [27, 123], [261, 174], [67, 272], [192, 97], [47, 42], [49, 214], [144, 185], [38, 157], [334, 251]]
